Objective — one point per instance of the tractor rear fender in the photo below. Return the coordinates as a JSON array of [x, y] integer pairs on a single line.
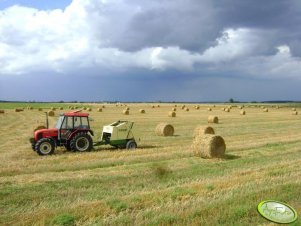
[[80, 130]]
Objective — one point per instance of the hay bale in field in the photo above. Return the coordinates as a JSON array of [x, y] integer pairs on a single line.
[[29, 108], [186, 109], [39, 127], [18, 109], [99, 109], [214, 105], [293, 109], [50, 113], [127, 108], [52, 109], [212, 119], [209, 109], [240, 107], [158, 105], [197, 107], [242, 112], [209, 146], [294, 113], [175, 105], [265, 110], [84, 108], [89, 109], [227, 109], [172, 114], [2, 111], [201, 130], [40, 109], [223, 109], [103, 106], [126, 112], [164, 129], [153, 106], [174, 109], [61, 108], [142, 111], [183, 107]]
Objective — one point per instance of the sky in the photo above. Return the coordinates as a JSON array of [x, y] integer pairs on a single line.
[[157, 50]]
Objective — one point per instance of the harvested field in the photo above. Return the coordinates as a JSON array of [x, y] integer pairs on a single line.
[[160, 183]]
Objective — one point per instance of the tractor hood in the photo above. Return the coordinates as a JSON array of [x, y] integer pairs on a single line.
[[42, 133]]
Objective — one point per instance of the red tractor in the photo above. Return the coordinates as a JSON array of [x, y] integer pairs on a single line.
[[72, 130]]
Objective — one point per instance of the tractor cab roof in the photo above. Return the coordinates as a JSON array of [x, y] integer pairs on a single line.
[[75, 114]]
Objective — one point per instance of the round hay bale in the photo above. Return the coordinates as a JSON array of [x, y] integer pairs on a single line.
[[209, 146], [197, 107], [29, 108], [61, 108], [293, 109], [209, 109], [214, 105], [89, 109], [84, 108], [294, 113], [265, 110], [223, 109], [212, 119], [18, 110], [127, 108], [142, 111], [158, 105], [201, 130], [2, 111], [172, 114], [240, 107], [52, 109], [176, 105], [50, 113], [174, 109], [40, 109], [164, 129], [99, 109], [186, 109], [39, 127], [103, 106], [126, 112], [242, 112], [183, 107], [227, 109], [153, 106]]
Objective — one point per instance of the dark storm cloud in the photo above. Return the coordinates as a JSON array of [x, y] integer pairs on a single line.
[[194, 25]]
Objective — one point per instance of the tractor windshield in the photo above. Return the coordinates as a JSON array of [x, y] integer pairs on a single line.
[[59, 122]]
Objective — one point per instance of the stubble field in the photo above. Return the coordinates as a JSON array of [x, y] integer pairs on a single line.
[[161, 182]]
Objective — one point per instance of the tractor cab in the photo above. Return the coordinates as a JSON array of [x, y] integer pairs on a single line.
[[69, 122], [72, 130]]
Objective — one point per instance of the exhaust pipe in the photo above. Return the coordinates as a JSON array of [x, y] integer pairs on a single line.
[[47, 123]]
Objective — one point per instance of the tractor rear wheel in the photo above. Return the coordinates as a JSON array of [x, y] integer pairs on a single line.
[[45, 146], [81, 142], [131, 144]]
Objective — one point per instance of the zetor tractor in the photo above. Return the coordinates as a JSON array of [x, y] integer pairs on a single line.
[[73, 131]]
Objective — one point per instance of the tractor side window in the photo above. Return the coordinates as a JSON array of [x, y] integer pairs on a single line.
[[69, 122], [85, 123], [77, 122]]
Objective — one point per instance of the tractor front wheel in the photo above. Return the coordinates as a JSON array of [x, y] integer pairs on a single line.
[[45, 146], [81, 142], [131, 144]]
